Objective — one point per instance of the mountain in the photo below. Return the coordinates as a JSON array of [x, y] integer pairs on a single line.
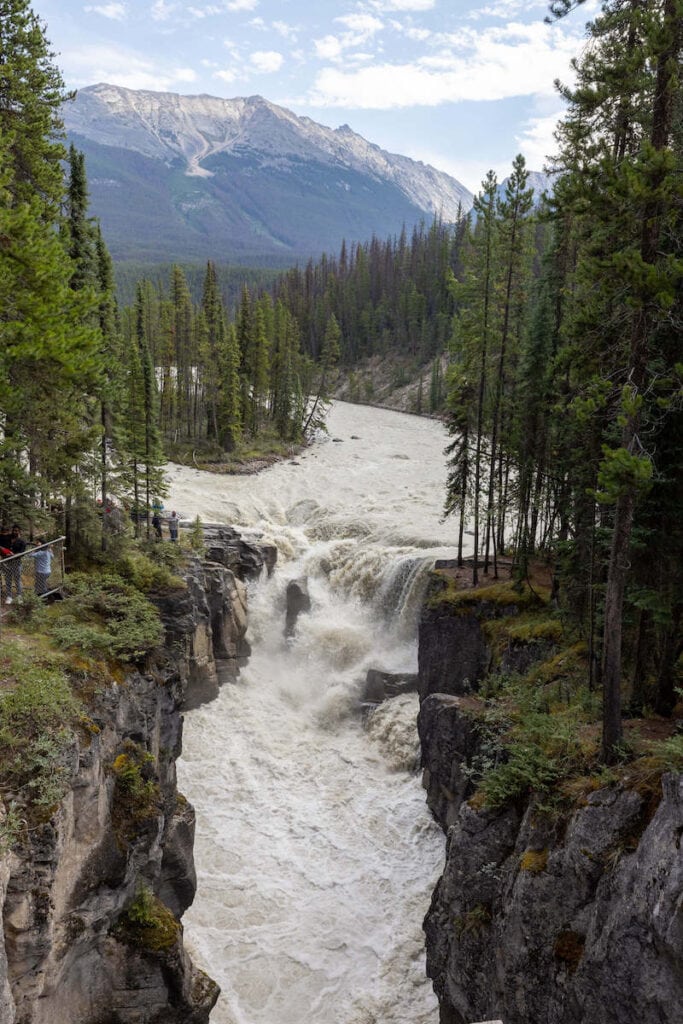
[[195, 177]]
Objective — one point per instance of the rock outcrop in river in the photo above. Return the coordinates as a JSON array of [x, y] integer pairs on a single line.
[[541, 917], [92, 898]]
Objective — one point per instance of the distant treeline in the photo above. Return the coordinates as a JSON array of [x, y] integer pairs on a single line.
[[231, 279]]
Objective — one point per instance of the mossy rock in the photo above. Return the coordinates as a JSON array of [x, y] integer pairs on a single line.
[[137, 797], [148, 924], [500, 597]]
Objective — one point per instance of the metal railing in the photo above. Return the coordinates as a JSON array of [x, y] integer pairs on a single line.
[[40, 569]]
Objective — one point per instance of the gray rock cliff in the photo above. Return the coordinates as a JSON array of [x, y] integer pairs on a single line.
[[582, 925], [91, 898], [569, 916]]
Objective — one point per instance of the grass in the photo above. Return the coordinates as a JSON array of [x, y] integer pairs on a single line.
[[463, 600], [39, 715]]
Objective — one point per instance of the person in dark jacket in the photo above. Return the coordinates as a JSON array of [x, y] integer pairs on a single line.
[[18, 548], [156, 523]]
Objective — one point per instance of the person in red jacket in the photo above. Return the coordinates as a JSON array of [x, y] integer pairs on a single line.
[[5, 552]]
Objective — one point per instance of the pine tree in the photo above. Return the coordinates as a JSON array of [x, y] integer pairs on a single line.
[[31, 96], [624, 152]]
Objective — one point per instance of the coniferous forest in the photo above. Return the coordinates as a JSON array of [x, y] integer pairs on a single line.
[[561, 318], [544, 333]]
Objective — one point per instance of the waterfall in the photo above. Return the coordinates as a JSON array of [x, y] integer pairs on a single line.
[[316, 855]]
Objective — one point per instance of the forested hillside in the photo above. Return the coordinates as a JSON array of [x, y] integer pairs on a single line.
[[561, 325]]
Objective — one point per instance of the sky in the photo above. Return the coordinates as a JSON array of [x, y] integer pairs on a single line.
[[463, 86]]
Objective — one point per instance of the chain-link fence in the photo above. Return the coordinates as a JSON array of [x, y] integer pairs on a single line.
[[40, 568]]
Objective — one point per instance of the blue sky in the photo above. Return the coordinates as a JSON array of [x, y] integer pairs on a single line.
[[463, 86]]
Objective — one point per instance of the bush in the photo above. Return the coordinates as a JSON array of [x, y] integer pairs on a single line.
[[103, 616], [30, 614], [147, 923], [38, 714], [147, 574], [137, 797]]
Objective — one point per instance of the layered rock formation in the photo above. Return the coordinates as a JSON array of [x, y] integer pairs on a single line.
[[540, 916], [92, 897]]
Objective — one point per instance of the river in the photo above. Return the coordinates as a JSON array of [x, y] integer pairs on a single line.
[[315, 853]]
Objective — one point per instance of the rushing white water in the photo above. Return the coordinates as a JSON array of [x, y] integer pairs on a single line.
[[315, 853]]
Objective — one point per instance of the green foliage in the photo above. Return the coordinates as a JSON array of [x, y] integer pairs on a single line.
[[31, 614], [137, 797], [463, 600], [151, 572], [528, 769], [106, 617], [38, 714], [197, 537], [147, 923], [10, 827]]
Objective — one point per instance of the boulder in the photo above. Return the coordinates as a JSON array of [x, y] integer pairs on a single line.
[[380, 686], [298, 601]]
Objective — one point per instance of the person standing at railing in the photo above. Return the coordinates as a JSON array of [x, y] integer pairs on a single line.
[[5, 552], [18, 548], [43, 559]]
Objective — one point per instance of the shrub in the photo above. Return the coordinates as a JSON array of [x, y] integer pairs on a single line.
[[527, 769], [147, 923], [30, 614], [38, 714], [137, 798], [197, 537], [146, 573], [105, 616]]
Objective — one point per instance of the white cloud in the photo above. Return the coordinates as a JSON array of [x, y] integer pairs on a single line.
[[402, 5], [205, 12], [185, 75], [119, 66], [267, 60], [328, 48], [285, 30], [508, 8], [496, 63], [418, 34], [365, 24], [242, 5], [226, 75], [113, 11], [161, 10], [361, 29], [536, 139]]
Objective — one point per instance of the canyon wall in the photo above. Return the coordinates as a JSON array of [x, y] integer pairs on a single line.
[[92, 896], [543, 915]]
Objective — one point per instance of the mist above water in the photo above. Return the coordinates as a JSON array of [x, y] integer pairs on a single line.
[[315, 853]]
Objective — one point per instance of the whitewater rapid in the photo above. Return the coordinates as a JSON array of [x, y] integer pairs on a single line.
[[315, 853]]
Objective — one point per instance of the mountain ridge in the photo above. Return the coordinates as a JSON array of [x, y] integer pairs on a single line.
[[241, 178], [248, 123]]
